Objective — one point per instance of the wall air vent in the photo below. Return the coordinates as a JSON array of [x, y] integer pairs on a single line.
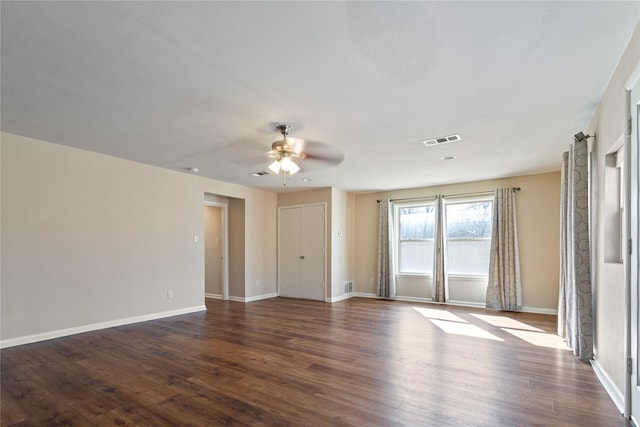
[[348, 287], [441, 140]]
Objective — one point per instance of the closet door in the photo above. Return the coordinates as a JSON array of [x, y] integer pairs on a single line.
[[301, 252], [288, 252]]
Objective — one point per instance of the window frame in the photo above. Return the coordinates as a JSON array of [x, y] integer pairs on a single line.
[[488, 197], [430, 201]]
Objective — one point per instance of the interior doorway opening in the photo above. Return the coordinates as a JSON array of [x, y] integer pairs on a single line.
[[216, 248]]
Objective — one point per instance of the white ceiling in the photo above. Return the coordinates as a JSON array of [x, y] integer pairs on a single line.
[[203, 84]]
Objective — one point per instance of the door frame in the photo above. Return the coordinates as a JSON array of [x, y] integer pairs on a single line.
[[632, 256], [325, 250], [225, 246]]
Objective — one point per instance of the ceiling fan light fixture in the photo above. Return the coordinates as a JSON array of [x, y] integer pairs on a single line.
[[288, 165], [275, 166]]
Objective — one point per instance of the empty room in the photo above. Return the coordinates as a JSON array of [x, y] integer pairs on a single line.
[[319, 213]]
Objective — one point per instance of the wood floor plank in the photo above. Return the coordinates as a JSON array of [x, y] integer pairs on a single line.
[[294, 362]]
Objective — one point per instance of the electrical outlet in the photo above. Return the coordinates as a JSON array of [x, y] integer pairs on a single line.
[[169, 294]]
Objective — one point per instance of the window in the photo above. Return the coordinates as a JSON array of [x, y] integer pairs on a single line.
[[415, 238], [468, 231]]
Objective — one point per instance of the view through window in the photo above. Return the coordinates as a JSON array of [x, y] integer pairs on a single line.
[[469, 237], [415, 245]]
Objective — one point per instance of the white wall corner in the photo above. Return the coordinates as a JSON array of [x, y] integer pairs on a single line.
[[616, 395], [260, 297], [340, 298]]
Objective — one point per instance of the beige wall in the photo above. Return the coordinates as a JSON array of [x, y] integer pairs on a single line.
[[88, 238], [237, 253], [609, 294], [342, 240], [538, 207], [261, 244], [316, 195]]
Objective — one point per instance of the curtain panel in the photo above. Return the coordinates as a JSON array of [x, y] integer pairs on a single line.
[[575, 321], [504, 288], [440, 285], [386, 273]]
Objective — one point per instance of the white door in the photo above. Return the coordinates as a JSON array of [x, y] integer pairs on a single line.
[[312, 265], [634, 140], [289, 252], [301, 254]]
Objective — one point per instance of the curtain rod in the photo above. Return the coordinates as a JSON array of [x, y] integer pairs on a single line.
[[450, 195]]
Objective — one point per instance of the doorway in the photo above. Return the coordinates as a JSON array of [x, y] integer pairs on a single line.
[[632, 309], [216, 244]]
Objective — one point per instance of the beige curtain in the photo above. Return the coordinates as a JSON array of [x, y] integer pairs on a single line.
[[504, 290], [575, 322], [440, 286], [386, 275]]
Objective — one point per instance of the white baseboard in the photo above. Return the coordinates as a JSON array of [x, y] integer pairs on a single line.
[[340, 298], [28, 339], [539, 310], [213, 296], [253, 298], [614, 392], [413, 299], [364, 295], [259, 297], [456, 303]]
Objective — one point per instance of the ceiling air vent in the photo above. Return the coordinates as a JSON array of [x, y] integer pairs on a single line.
[[441, 140], [261, 173]]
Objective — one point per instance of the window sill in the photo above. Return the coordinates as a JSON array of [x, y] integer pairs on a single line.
[[469, 276], [415, 275]]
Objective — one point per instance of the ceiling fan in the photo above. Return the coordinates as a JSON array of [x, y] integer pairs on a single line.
[[294, 154], [287, 156], [284, 151]]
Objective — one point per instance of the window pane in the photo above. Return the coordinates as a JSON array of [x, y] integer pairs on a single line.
[[416, 257], [469, 237], [416, 222], [469, 220], [468, 256]]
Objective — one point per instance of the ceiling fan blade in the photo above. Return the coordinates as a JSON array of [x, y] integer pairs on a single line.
[[255, 156], [246, 153], [321, 155]]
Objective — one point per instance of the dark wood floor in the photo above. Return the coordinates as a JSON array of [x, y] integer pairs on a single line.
[[294, 362]]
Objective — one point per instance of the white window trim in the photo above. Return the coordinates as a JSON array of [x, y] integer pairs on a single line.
[[396, 241]]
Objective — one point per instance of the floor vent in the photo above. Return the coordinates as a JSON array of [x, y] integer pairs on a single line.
[[348, 287]]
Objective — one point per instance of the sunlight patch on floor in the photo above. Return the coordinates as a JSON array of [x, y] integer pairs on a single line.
[[439, 314], [465, 329], [505, 322], [539, 339]]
